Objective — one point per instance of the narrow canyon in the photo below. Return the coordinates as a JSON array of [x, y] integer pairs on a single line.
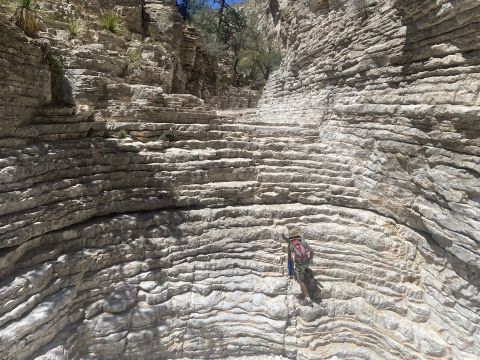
[[143, 211]]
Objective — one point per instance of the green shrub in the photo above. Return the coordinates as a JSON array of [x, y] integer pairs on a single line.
[[232, 36], [24, 15], [169, 135], [122, 134], [174, 194], [55, 64], [259, 62], [134, 56], [76, 28], [111, 22]]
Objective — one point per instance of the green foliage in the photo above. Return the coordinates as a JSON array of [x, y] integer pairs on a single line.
[[231, 36], [259, 56], [122, 134], [134, 56], [206, 19], [76, 28], [55, 65], [231, 24], [111, 22], [220, 28], [24, 16], [169, 135]]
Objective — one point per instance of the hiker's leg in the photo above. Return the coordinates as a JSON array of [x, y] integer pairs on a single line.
[[300, 272], [304, 289]]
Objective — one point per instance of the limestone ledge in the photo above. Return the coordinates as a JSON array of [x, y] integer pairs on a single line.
[[59, 199], [151, 46], [24, 81], [212, 282]]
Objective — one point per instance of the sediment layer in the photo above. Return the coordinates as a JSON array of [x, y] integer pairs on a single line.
[[154, 228]]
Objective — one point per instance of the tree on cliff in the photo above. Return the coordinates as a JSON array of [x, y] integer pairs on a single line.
[[259, 56], [232, 37], [222, 25]]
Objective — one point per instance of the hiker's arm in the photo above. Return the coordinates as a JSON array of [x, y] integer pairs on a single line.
[[290, 261]]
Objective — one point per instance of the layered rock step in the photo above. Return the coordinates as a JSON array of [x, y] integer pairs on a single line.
[[174, 282], [142, 224]]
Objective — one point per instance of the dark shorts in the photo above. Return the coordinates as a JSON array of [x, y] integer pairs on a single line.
[[300, 269]]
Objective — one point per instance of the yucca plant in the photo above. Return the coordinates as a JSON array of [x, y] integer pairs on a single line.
[[111, 22], [76, 28], [24, 16]]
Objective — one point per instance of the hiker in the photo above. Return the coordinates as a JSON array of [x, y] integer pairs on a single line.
[[300, 253]]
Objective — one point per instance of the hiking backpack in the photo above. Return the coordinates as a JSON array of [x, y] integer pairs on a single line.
[[300, 252]]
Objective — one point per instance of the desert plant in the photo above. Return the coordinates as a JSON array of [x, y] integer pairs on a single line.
[[24, 16], [134, 56], [169, 135], [259, 62], [111, 22], [122, 134], [76, 28], [55, 64], [174, 194]]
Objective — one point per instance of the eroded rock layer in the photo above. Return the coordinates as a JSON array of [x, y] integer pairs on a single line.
[[166, 241], [393, 89]]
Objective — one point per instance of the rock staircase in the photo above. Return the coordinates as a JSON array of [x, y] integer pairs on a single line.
[[167, 245]]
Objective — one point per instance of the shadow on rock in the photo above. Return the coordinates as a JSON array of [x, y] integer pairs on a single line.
[[314, 287]]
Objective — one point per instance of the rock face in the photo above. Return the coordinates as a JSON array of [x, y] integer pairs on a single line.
[[392, 90], [149, 46], [24, 80], [153, 227]]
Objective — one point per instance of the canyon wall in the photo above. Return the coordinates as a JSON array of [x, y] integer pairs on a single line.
[[392, 89], [153, 227]]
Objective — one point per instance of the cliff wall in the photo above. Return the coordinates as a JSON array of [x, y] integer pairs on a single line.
[[153, 227], [391, 88]]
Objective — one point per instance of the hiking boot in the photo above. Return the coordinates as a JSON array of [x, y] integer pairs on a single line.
[[306, 302]]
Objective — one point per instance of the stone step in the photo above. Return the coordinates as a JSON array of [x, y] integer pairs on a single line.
[[303, 178], [51, 132], [54, 111], [61, 119]]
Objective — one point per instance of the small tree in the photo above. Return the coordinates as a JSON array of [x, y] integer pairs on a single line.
[[204, 18], [230, 35], [232, 25], [259, 56], [231, 32], [222, 5]]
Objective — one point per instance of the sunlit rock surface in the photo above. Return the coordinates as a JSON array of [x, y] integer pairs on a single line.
[[166, 240], [391, 88]]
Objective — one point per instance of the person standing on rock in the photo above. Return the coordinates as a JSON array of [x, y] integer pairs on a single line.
[[301, 254]]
